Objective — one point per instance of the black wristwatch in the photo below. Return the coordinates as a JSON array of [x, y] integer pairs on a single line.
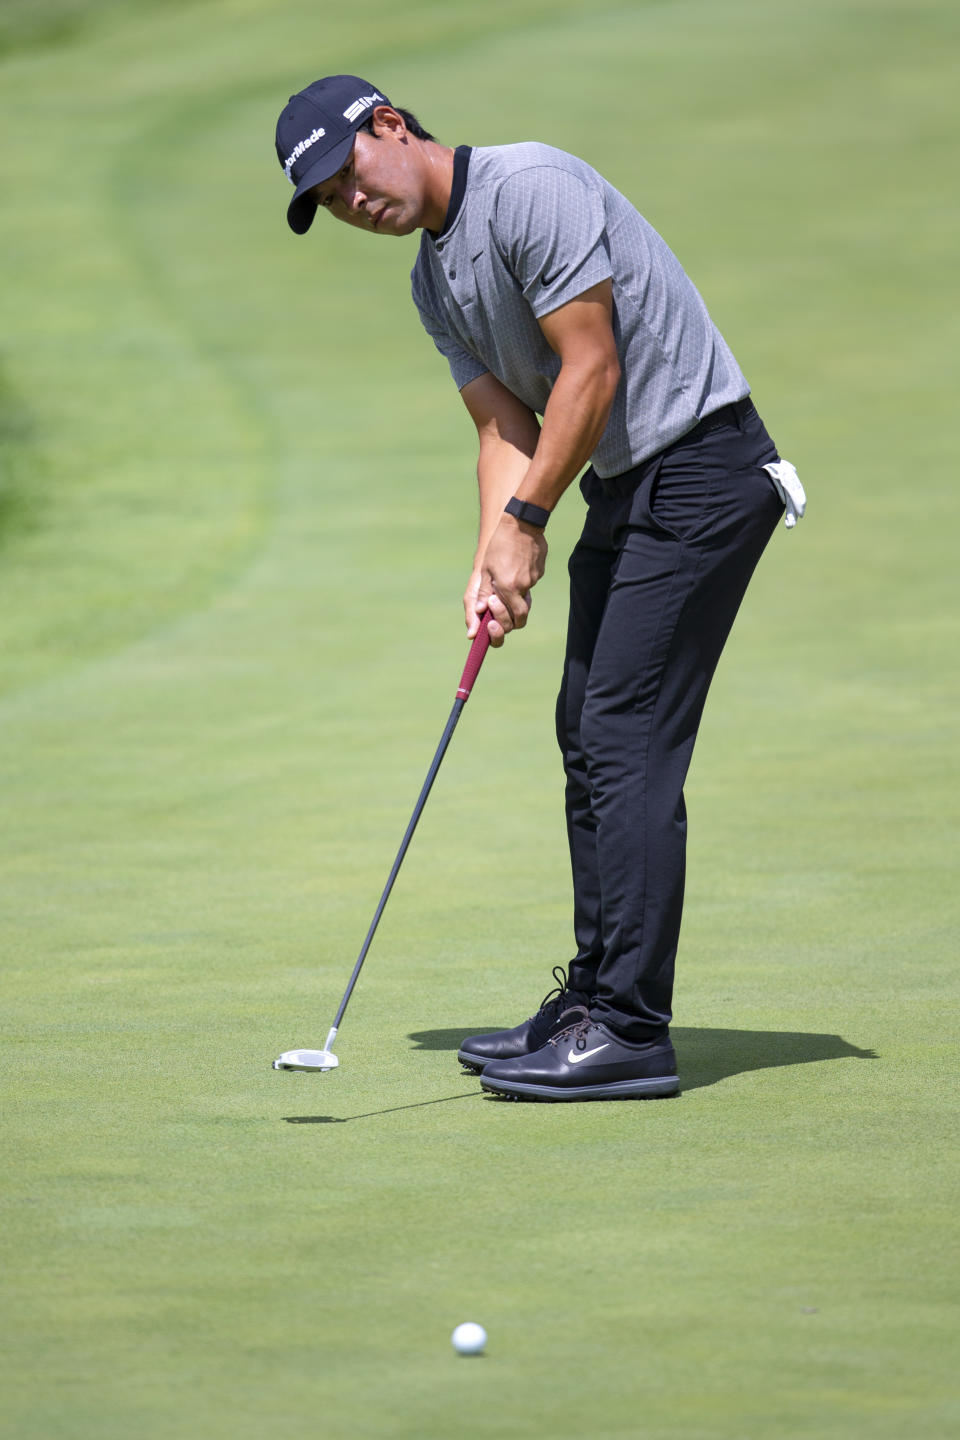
[[529, 514]]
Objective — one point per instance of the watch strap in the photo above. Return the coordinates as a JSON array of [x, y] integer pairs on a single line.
[[527, 512]]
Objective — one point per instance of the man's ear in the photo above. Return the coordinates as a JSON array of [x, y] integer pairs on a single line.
[[386, 121]]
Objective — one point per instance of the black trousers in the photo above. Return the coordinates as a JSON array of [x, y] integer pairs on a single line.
[[656, 580]]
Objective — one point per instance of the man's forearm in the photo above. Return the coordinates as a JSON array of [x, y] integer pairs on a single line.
[[511, 554], [537, 464], [574, 420], [500, 471]]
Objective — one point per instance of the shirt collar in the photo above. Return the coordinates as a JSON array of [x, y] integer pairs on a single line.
[[461, 163]]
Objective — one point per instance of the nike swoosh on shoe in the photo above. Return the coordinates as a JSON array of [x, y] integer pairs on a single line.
[[573, 1059]]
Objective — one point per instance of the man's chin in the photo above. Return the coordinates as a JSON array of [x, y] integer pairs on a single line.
[[400, 226], [398, 218]]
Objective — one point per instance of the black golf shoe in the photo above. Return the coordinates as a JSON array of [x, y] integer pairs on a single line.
[[558, 1009], [586, 1061]]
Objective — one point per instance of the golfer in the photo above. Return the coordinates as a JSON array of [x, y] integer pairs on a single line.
[[576, 339]]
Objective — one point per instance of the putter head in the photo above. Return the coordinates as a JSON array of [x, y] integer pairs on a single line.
[[312, 1060]]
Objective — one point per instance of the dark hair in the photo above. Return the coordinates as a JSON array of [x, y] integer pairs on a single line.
[[409, 119]]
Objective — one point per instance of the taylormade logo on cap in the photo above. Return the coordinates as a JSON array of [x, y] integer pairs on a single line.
[[298, 150]]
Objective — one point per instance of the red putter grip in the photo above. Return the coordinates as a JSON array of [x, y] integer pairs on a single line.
[[479, 648]]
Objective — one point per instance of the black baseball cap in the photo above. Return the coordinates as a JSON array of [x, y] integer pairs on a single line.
[[315, 135]]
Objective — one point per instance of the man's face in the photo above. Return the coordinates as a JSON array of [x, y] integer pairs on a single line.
[[381, 187]]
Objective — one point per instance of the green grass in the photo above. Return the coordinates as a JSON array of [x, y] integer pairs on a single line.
[[236, 513]]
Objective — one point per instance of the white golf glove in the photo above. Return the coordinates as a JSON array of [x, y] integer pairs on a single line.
[[787, 481]]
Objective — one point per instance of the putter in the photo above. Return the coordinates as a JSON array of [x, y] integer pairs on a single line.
[[324, 1060]]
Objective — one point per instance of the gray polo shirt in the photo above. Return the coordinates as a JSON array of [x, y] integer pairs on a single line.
[[536, 228]]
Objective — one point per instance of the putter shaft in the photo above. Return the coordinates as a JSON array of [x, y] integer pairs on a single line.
[[475, 658], [471, 670], [451, 725]]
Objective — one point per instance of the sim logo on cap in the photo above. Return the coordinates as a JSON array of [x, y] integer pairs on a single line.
[[354, 111]]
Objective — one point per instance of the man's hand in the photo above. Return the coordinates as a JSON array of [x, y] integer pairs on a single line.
[[513, 562]]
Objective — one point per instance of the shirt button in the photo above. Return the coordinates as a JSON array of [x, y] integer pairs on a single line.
[[439, 244], [453, 274]]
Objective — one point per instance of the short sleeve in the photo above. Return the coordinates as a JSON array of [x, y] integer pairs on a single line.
[[550, 229], [464, 366]]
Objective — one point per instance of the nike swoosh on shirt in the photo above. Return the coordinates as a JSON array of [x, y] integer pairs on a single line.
[[585, 1054], [546, 279]]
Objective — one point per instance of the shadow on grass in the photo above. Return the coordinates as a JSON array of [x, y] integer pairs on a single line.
[[707, 1055], [342, 1119]]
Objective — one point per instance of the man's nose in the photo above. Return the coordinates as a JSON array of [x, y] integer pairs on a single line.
[[352, 196]]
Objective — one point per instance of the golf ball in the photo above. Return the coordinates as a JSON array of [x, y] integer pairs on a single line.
[[469, 1338]]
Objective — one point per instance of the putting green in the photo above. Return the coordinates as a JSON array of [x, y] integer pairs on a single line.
[[236, 514]]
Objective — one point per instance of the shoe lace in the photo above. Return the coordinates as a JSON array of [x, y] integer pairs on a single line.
[[554, 999], [576, 1033]]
